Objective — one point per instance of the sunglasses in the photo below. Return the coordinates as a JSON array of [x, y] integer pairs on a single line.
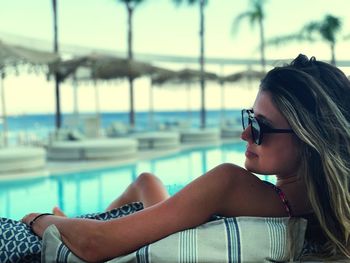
[[258, 128]]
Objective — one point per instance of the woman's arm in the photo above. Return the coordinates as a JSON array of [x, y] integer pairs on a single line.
[[227, 190]]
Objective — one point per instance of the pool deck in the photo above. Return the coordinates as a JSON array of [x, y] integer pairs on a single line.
[[59, 167]]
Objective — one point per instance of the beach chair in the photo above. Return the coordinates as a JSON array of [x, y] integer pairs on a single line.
[[117, 129]]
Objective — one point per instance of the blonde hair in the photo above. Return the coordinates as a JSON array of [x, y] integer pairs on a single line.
[[314, 97]]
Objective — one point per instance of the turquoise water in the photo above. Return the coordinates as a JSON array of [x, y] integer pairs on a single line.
[[92, 191], [40, 125]]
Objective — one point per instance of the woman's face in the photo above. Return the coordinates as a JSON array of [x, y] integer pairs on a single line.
[[278, 153]]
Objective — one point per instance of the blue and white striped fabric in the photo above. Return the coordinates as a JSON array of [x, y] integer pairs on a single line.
[[240, 239], [233, 240]]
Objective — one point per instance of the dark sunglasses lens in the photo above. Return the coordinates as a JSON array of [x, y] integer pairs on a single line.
[[255, 131], [245, 120]]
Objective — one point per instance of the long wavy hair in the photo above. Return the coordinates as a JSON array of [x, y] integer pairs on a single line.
[[315, 99]]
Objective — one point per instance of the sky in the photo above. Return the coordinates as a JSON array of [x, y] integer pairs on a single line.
[[160, 27]]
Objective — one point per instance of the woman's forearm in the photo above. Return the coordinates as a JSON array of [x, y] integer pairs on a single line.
[[83, 238]]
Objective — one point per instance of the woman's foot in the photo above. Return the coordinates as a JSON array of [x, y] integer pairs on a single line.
[[58, 212]]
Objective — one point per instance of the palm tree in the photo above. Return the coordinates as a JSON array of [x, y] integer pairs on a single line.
[[325, 30], [58, 118], [202, 4], [130, 7], [255, 15]]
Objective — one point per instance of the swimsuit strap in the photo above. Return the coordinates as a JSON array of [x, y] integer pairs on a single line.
[[282, 197]]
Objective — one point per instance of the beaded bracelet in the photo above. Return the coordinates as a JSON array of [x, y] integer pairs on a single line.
[[36, 218]]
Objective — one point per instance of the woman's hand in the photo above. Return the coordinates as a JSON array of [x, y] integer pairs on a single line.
[[37, 227], [29, 217], [77, 234]]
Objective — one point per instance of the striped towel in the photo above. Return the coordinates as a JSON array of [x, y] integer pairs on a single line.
[[239, 239]]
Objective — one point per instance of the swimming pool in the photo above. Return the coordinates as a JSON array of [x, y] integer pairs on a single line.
[[92, 191]]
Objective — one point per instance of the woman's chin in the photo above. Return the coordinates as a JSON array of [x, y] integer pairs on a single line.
[[256, 170], [252, 167]]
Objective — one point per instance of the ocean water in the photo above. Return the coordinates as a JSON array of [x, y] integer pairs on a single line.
[[39, 126]]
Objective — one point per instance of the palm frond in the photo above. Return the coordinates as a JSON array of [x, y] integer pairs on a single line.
[[255, 16], [276, 41], [238, 20], [190, 2], [131, 3], [255, 13], [310, 31], [333, 22], [330, 27], [258, 8], [311, 27]]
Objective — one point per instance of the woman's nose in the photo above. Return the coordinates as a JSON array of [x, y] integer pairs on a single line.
[[246, 134]]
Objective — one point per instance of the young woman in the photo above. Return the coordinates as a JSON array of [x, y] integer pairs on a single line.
[[297, 130]]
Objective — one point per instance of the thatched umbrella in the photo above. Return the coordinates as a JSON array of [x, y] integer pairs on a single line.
[[103, 67], [112, 68], [184, 76], [246, 75], [14, 56]]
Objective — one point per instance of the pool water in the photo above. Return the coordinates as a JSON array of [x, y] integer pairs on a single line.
[[91, 191]]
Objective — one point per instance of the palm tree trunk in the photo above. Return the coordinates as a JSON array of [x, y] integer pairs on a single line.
[[333, 53], [130, 13], [262, 44], [131, 101], [3, 109], [57, 80], [222, 99], [97, 100], [55, 30], [189, 111], [130, 57], [151, 107], [75, 96], [202, 64]]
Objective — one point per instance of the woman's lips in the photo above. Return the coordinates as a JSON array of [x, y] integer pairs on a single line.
[[250, 154]]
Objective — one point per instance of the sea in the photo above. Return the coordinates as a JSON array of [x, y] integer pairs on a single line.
[[26, 128]]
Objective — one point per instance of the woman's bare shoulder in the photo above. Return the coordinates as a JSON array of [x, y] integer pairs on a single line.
[[249, 195]]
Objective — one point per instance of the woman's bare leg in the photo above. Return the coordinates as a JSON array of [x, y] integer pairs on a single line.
[[147, 189]]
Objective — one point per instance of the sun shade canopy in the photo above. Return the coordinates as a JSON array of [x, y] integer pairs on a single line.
[[13, 55]]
